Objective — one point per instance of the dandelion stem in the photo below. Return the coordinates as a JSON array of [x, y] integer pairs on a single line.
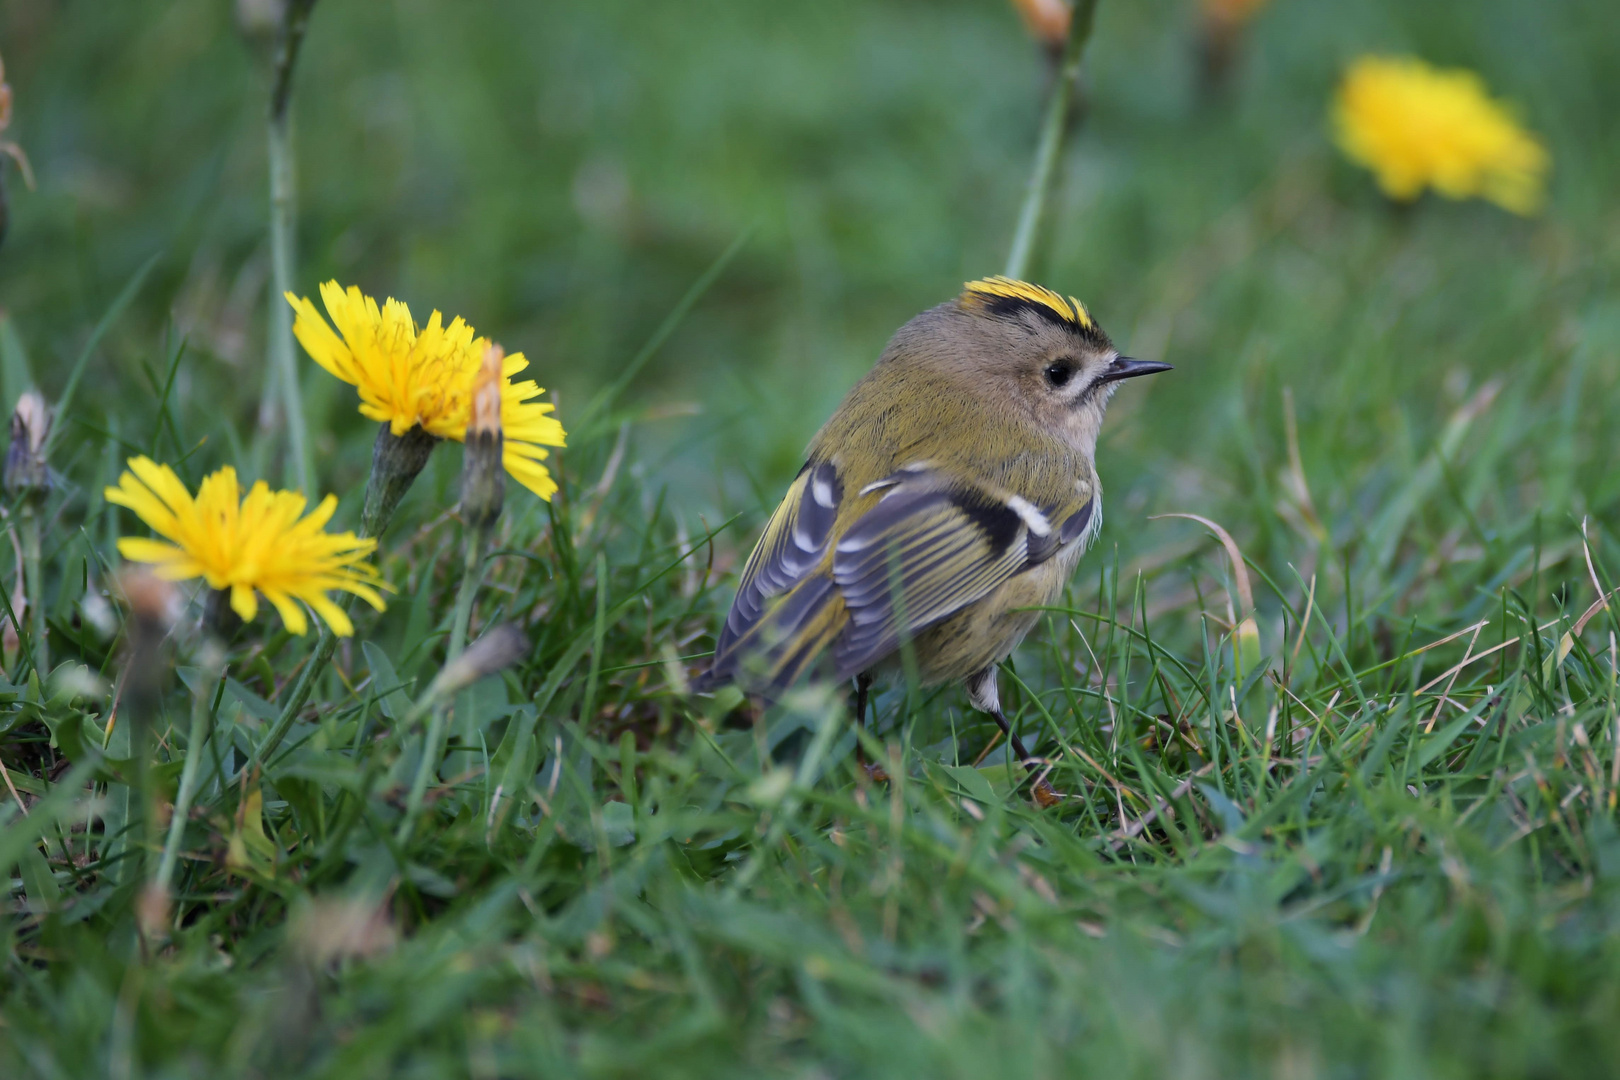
[[325, 646], [424, 772], [39, 644], [282, 371], [395, 462], [472, 574], [1053, 129], [141, 710], [201, 720]]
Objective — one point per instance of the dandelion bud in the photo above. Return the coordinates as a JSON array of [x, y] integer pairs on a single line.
[[26, 474], [395, 462], [326, 931], [483, 477], [1221, 39], [497, 650], [1231, 12], [152, 912], [154, 605], [258, 20], [11, 150], [1047, 20]]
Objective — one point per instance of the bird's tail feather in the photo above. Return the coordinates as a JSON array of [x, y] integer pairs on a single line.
[[778, 650]]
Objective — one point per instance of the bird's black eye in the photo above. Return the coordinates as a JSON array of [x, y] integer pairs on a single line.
[[1059, 372]]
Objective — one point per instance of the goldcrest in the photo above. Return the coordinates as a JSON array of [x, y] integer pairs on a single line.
[[947, 500]]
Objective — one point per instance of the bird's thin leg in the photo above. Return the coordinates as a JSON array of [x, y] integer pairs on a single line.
[[1043, 792], [985, 697], [1017, 743], [863, 686]]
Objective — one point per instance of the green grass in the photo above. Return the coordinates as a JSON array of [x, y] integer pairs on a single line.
[[1359, 857]]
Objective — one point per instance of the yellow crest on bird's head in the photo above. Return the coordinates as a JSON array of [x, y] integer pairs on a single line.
[[1004, 295]]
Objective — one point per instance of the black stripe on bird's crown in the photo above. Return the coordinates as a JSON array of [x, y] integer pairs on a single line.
[[1006, 298], [1012, 307], [1009, 307]]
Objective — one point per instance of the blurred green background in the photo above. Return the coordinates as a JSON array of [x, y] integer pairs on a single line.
[[560, 173]]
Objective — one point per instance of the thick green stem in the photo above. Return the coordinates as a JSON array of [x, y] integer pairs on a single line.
[[145, 793], [1053, 130], [201, 717], [424, 771], [432, 751], [141, 711], [472, 573], [395, 463], [34, 582], [282, 372], [325, 646]]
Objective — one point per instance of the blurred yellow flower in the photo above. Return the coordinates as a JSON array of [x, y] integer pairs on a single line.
[[409, 375], [257, 544], [1416, 126]]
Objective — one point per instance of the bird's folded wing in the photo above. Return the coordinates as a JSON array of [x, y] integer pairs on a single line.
[[931, 547], [794, 543]]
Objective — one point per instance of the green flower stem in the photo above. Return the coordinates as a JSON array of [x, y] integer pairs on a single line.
[[1053, 129], [395, 462], [141, 711], [325, 646], [424, 771], [471, 576], [201, 722], [34, 583], [283, 366]]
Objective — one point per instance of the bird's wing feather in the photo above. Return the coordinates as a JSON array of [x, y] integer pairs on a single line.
[[793, 545], [929, 548]]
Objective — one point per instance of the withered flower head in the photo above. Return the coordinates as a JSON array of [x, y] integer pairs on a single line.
[[26, 473], [483, 480], [500, 648], [154, 605]]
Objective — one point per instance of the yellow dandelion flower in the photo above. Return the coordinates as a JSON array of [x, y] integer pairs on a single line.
[[253, 545], [409, 375], [1416, 126]]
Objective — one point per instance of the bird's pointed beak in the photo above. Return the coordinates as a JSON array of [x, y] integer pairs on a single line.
[[1126, 367]]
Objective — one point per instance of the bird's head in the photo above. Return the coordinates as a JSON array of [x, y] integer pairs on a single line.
[[1025, 348]]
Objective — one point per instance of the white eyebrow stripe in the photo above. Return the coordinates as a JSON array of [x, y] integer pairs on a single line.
[[1032, 517]]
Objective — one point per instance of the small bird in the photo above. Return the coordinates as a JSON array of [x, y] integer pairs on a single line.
[[947, 500]]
